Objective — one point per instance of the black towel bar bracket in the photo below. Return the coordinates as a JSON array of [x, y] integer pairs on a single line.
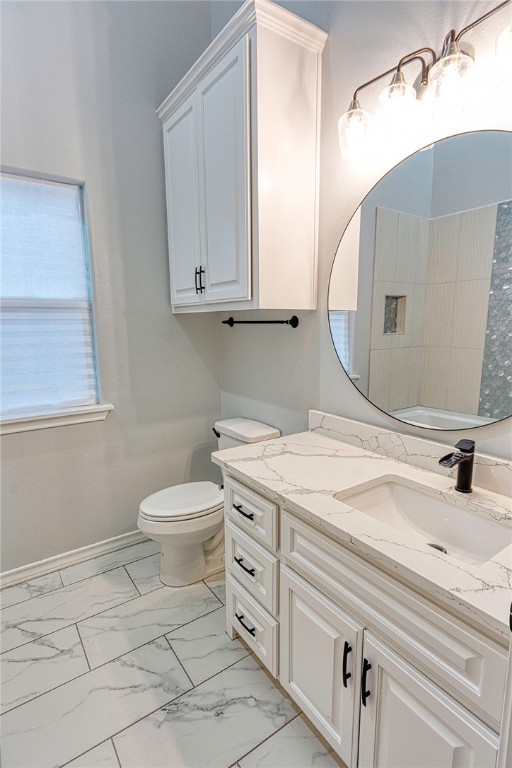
[[293, 322]]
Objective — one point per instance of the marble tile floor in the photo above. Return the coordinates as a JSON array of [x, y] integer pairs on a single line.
[[104, 666]]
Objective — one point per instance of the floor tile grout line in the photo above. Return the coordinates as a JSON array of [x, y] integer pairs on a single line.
[[90, 750], [115, 751], [264, 740], [180, 663], [95, 615], [83, 648], [211, 590], [132, 581]]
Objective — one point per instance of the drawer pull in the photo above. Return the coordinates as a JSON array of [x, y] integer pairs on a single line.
[[346, 650], [238, 508], [250, 630], [364, 693], [250, 571]]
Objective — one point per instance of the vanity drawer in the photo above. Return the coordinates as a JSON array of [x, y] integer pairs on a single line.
[[251, 512], [253, 566], [252, 622], [457, 657]]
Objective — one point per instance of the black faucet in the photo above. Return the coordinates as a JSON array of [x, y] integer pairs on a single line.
[[463, 457]]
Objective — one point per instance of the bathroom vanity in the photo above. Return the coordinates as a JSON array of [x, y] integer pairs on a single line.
[[396, 651]]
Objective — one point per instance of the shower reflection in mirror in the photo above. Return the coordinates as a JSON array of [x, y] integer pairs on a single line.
[[420, 299]]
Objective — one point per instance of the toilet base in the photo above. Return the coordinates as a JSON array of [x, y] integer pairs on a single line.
[[184, 562], [183, 576], [182, 566]]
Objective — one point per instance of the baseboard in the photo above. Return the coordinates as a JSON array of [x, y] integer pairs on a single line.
[[33, 570]]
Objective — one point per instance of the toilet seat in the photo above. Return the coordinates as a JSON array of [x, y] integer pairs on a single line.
[[182, 502]]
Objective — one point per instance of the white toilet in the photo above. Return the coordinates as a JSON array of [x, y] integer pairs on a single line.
[[187, 519]]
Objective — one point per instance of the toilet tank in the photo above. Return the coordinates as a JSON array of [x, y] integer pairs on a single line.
[[233, 432]]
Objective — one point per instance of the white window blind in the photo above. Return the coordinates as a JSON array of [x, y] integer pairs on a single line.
[[340, 322], [46, 332]]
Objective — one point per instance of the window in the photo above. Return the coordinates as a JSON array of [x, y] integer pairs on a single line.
[[46, 330], [341, 322]]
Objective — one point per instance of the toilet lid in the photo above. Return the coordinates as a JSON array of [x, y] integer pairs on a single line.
[[183, 502]]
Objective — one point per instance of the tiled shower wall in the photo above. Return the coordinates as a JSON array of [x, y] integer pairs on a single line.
[[443, 267], [458, 280], [400, 267]]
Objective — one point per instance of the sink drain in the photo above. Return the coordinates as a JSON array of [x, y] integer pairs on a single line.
[[438, 547]]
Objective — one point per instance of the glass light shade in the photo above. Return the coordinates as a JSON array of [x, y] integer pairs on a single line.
[[353, 131], [448, 74], [504, 46]]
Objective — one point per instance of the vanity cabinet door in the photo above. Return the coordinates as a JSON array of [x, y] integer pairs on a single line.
[[408, 722], [224, 152], [320, 655], [182, 194]]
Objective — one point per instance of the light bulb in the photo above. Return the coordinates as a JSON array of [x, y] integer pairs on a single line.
[[353, 130], [447, 77], [398, 95]]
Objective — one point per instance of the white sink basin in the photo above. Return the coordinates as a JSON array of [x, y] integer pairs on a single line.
[[410, 507]]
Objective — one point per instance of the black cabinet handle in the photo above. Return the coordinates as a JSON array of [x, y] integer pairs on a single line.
[[196, 275], [250, 571], [250, 630], [346, 650], [364, 693], [238, 508], [201, 286]]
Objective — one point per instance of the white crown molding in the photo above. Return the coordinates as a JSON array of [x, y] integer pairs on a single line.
[[33, 570], [254, 12]]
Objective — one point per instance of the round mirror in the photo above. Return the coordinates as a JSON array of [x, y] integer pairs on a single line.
[[420, 296]]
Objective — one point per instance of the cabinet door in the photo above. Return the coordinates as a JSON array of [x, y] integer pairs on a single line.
[[317, 641], [182, 192], [224, 151], [408, 722]]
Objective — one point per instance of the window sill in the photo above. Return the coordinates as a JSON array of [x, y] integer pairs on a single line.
[[55, 419]]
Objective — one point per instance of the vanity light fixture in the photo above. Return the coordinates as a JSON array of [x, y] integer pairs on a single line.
[[441, 78]]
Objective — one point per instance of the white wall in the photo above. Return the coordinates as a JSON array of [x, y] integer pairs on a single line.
[[465, 178], [277, 376], [80, 84]]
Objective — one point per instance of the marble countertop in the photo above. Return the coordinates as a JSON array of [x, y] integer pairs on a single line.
[[302, 473]]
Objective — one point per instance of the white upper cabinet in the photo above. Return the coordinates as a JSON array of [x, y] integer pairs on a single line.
[[223, 116], [180, 152], [241, 134]]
